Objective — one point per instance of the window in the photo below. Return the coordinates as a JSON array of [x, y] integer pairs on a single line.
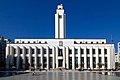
[[38, 51], [88, 51], [28, 41], [105, 51], [39, 61], [88, 62], [26, 51], [102, 42], [32, 51], [100, 60], [39, 41], [22, 41], [94, 62], [85, 42], [17, 41], [82, 62], [99, 51], [20, 51], [44, 62], [105, 62], [60, 16], [91, 42], [76, 51], [93, 51], [60, 52], [70, 51], [76, 62], [34, 42], [96, 42], [50, 51], [50, 61], [44, 51], [82, 51], [32, 61]]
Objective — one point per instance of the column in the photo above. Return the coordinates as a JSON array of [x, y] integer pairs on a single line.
[[97, 57], [103, 58], [36, 65], [41, 57], [85, 58], [7, 57], [73, 58], [67, 57], [29, 51], [64, 55], [109, 59], [11, 55], [53, 51], [24, 57], [79, 58], [47, 49], [56, 57], [18, 58], [112, 56], [91, 59]]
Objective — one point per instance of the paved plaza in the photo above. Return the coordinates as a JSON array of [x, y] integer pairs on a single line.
[[64, 75]]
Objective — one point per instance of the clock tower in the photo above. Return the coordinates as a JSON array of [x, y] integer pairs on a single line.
[[60, 23]]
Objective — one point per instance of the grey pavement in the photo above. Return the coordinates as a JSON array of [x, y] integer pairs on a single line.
[[64, 75]]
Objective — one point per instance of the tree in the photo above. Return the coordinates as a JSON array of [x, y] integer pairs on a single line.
[[100, 65], [40, 66]]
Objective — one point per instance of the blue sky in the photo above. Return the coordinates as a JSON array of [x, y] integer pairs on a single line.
[[85, 18]]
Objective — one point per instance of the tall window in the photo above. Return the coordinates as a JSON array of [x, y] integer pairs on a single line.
[[44, 51], [60, 52], [94, 62], [26, 51], [76, 62], [44, 62], [70, 51], [105, 51], [105, 62], [50, 61], [38, 51], [82, 62], [82, 51], [99, 51], [50, 51], [100, 60], [88, 62], [20, 51], [32, 61], [93, 51], [88, 51], [32, 51], [76, 51]]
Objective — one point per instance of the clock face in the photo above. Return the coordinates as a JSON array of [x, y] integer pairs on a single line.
[[60, 43]]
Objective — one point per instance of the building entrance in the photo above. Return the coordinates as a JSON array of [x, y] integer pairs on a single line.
[[60, 63]]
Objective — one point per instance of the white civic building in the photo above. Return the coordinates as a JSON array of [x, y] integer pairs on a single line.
[[60, 52]]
